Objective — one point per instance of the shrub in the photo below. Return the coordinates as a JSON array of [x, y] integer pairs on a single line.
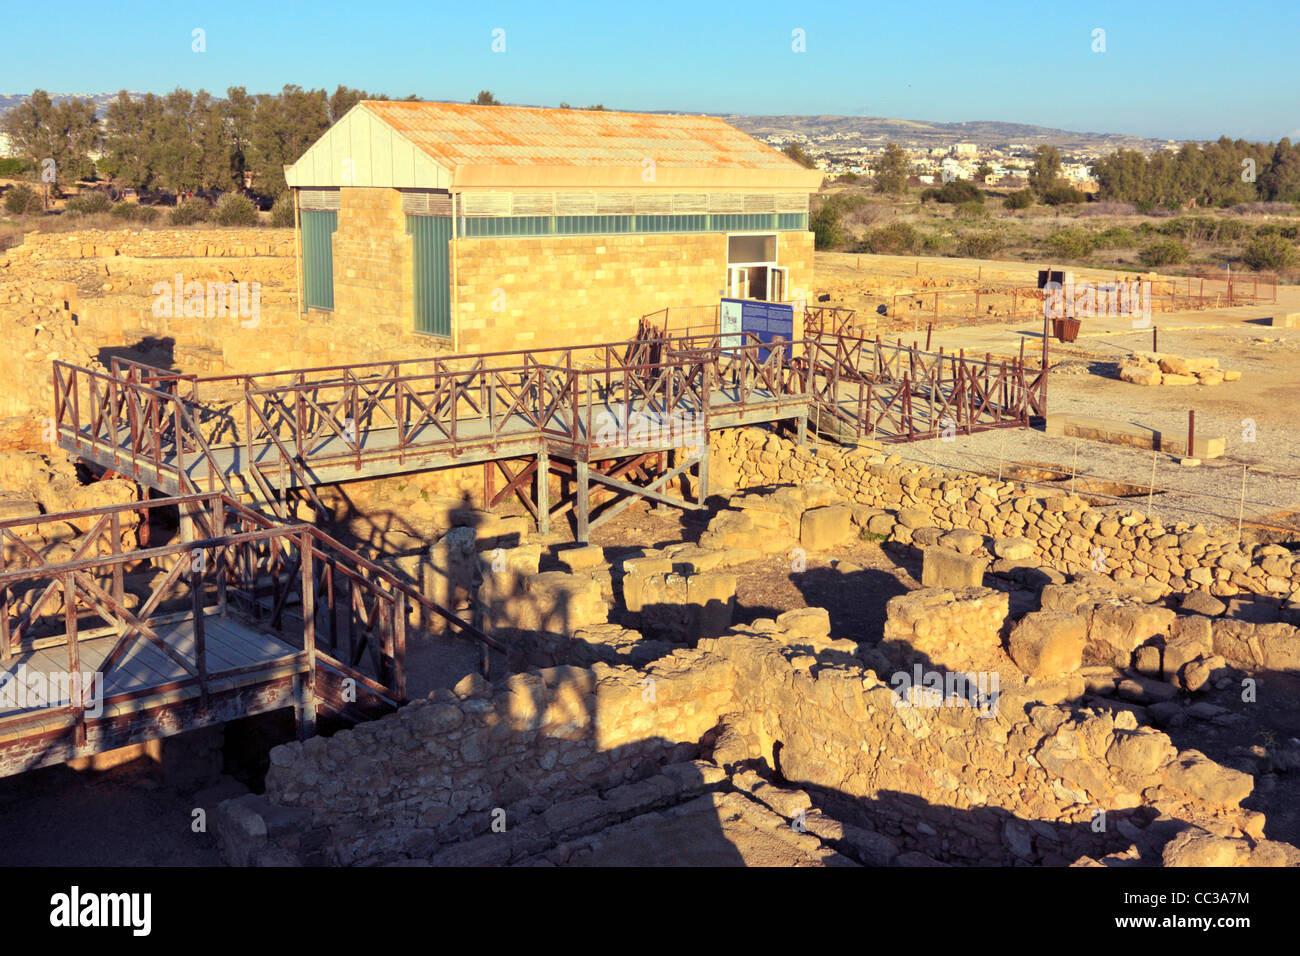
[[132, 212], [1061, 195], [934, 243], [1145, 229], [1190, 227], [1020, 199], [1263, 208], [893, 240], [979, 245], [282, 211], [1165, 252], [10, 236], [956, 192], [1230, 230], [23, 201], [826, 229], [1145, 206], [972, 210], [1270, 252], [1070, 243], [235, 210], [11, 167], [88, 204], [189, 212], [1115, 237], [867, 214]]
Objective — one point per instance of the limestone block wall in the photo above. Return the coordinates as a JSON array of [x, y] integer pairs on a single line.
[[194, 242], [374, 279], [1063, 532], [434, 772], [1024, 783], [546, 291]]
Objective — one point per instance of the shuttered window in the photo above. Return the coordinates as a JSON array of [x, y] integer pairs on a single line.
[[477, 226], [318, 227], [431, 235]]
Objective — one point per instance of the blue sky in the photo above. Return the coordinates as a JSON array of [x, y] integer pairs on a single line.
[[1184, 70]]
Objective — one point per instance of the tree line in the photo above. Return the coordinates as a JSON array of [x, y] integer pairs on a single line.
[[1221, 173], [182, 141]]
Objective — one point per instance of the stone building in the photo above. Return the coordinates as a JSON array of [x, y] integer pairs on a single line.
[[480, 228]]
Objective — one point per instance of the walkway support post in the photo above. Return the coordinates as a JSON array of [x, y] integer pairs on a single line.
[[582, 498], [703, 472], [543, 497]]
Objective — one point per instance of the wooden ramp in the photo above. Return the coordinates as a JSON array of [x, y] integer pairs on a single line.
[[561, 409], [117, 645]]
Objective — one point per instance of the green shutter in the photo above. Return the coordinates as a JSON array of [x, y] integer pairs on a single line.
[[318, 227], [484, 226], [432, 273]]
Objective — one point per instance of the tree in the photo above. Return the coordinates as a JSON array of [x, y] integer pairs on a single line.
[[891, 170], [800, 155], [129, 126], [1046, 171], [982, 172], [485, 98], [344, 98], [826, 229], [284, 126], [1281, 182], [240, 109], [66, 132]]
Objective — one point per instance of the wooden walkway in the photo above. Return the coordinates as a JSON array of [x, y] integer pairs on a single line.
[[614, 403], [231, 646], [389, 450], [248, 616]]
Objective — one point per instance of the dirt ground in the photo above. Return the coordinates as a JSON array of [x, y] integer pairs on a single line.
[[1254, 416]]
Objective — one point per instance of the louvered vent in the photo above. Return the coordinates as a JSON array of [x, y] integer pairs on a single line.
[[327, 199], [422, 202]]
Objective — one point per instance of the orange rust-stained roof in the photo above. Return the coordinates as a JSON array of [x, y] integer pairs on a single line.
[[493, 146]]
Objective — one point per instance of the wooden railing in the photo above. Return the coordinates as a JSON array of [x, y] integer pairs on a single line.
[[330, 604], [143, 419]]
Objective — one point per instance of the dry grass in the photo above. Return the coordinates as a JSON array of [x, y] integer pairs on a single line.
[[1023, 234]]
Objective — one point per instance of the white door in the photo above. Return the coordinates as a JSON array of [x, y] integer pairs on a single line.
[[776, 276], [737, 282]]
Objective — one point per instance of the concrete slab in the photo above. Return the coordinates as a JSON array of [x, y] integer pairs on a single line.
[[1130, 433]]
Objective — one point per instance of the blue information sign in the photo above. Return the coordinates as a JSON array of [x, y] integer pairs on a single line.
[[766, 320]]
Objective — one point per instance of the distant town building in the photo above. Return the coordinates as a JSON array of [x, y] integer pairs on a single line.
[[965, 149]]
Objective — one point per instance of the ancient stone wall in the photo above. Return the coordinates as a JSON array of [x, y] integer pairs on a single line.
[[202, 242], [1022, 782], [915, 503]]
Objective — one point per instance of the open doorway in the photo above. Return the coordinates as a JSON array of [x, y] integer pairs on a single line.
[[752, 272]]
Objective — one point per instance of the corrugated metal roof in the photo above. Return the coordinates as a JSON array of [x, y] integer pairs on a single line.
[[495, 146]]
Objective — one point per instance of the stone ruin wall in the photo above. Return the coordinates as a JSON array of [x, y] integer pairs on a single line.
[[1055, 530], [563, 749]]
